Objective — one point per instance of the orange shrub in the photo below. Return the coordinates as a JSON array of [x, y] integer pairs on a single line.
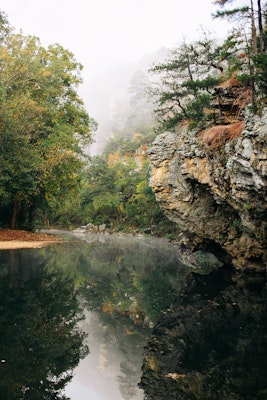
[[217, 136]]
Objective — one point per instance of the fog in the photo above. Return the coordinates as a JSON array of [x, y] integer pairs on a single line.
[[112, 39]]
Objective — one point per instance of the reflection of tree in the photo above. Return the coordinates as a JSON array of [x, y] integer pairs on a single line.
[[40, 340], [121, 340], [157, 291], [127, 289], [117, 278], [128, 382]]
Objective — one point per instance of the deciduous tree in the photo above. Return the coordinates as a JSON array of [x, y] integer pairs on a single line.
[[42, 122]]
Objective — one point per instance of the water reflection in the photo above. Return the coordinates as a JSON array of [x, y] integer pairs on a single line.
[[113, 369], [40, 341], [212, 344], [123, 286]]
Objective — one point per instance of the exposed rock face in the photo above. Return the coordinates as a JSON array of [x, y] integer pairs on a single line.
[[217, 197]]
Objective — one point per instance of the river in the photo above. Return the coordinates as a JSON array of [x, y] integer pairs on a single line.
[[110, 290], [117, 317]]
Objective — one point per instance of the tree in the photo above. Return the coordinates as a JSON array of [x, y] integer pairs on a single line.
[[246, 12], [41, 125], [141, 208], [254, 49], [192, 71], [99, 196], [186, 80]]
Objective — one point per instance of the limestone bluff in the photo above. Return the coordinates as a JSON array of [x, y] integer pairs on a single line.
[[216, 190]]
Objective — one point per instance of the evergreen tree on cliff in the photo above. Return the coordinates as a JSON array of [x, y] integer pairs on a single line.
[[255, 51], [188, 78]]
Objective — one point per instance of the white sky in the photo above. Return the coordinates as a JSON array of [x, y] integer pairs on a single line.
[[102, 33], [105, 34]]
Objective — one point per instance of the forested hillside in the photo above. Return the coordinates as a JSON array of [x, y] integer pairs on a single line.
[[46, 180], [114, 187]]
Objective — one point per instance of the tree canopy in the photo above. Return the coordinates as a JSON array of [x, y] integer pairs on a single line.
[[42, 122]]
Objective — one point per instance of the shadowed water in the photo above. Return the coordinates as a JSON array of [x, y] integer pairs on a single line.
[[100, 317], [83, 308]]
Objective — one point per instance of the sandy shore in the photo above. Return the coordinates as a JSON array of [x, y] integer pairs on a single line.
[[16, 244], [19, 239]]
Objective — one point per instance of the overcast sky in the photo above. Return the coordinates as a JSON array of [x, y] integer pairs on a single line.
[[106, 34], [103, 33]]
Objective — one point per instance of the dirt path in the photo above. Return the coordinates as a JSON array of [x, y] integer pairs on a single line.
[[19, 239]]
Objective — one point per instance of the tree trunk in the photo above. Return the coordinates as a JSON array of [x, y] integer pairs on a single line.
[[31, 216], [14, 216], [254, 52], [260, 27], [253, 31]]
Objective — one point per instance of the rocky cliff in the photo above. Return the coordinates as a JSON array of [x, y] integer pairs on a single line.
[[211, 344], [213, 185]]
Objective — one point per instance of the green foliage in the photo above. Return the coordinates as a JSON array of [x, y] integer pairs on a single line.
[[187, 78], [4, 26], [115, 193], [196, 106], [41, 126], [114, 187], [234, 13], [130, 140], [123, 197], [260, 61], [192, 70]]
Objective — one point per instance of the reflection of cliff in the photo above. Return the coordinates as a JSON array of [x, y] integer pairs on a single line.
[[215, 188], [212, 344]]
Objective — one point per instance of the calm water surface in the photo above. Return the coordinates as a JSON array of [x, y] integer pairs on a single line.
[[108, 290]]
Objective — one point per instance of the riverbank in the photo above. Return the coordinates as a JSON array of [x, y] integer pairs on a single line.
[[21, 239]]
